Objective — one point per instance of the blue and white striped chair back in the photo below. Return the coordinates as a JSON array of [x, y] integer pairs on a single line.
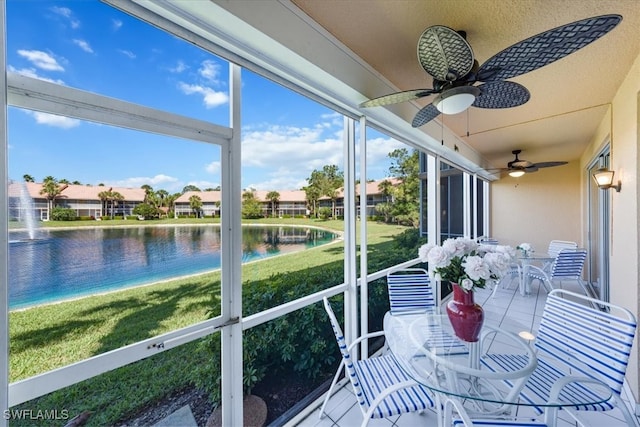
[[410, 291], [569, 264], [555, 246], [587, 340], [348, 362]]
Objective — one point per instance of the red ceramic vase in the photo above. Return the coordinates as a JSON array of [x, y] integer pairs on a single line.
[[465, 315]]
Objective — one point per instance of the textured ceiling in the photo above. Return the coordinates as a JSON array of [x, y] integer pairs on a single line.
[[568, 98]]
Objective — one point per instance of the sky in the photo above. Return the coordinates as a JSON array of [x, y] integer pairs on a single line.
[[91, 46]]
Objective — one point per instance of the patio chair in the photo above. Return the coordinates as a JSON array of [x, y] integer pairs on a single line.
[[381, 386], [410, 291], [579, 337], [555, 246], [568, 265]]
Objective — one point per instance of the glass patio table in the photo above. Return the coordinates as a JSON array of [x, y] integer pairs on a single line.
[[525, 262], [425, 346]]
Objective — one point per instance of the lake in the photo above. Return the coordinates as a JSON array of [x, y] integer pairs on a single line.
[[63, 264]]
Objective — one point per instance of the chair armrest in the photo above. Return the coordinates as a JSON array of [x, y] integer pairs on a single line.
[[540, 271], [365, 337], [556, 389]]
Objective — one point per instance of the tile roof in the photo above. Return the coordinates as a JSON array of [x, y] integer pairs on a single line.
[[77, 192], [90, 192]]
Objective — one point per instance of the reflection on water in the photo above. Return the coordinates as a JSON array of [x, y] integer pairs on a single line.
[[68, 263]]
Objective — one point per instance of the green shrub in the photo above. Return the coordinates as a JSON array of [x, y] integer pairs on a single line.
[[324, 213], [301, 342], [63, 214]]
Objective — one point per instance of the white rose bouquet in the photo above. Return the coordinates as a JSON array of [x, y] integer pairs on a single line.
[[526, 248], [467, 263]]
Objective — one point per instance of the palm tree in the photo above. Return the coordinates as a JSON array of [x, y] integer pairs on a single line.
[[273, 197], [115, 198], [312, 194], [52, 189], [104, 197], [162, 195], [170, 200], [28, 178], [195, 203]]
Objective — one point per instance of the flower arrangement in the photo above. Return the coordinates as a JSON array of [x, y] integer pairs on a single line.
[[467, 263], [525, 248]]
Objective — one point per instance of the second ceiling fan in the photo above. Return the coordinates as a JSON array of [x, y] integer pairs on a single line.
[[446, 56], [518, 167]]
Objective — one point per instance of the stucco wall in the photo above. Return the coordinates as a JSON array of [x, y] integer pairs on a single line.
[[625, 232], [538, 207]]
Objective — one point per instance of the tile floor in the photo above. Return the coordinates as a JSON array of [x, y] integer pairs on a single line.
[[507, 309]]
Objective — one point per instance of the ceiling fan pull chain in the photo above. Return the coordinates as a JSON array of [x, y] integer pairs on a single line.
[[467, 123]]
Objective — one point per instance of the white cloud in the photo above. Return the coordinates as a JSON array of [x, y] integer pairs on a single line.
[[83, 45], [284, 178], [53, 120], [210, 70], [68, 14], [304, 147], [41, 59], [156, 182], [283, 157], [179, 68], [127, 53], [116, 24], [32, 72], [201, 184], [213, 167], [378, 149], [211, 98]]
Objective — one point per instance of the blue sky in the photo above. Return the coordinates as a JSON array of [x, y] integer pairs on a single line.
[[91, 46]]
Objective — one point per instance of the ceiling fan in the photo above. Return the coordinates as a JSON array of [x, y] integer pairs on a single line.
[[518, 167], [446, 56]]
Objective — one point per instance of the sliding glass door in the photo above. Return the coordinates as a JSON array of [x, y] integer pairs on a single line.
[[599, 226]]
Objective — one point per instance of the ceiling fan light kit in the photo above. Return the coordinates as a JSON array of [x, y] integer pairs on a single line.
[[518, 167], [456, 100]]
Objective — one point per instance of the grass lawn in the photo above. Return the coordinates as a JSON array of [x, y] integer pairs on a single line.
[[50, 336]]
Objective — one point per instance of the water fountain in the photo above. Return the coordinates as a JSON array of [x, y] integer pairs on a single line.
[[22, 207], [26, 203]]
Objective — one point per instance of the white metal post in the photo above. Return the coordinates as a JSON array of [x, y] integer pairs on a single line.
[[231, 259], [474, 206], [466, 205], [485, 207], [364, 285], [4, 233], [350, 277], [433, 206]]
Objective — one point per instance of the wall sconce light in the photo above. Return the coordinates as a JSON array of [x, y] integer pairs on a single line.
[[604, 179]]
